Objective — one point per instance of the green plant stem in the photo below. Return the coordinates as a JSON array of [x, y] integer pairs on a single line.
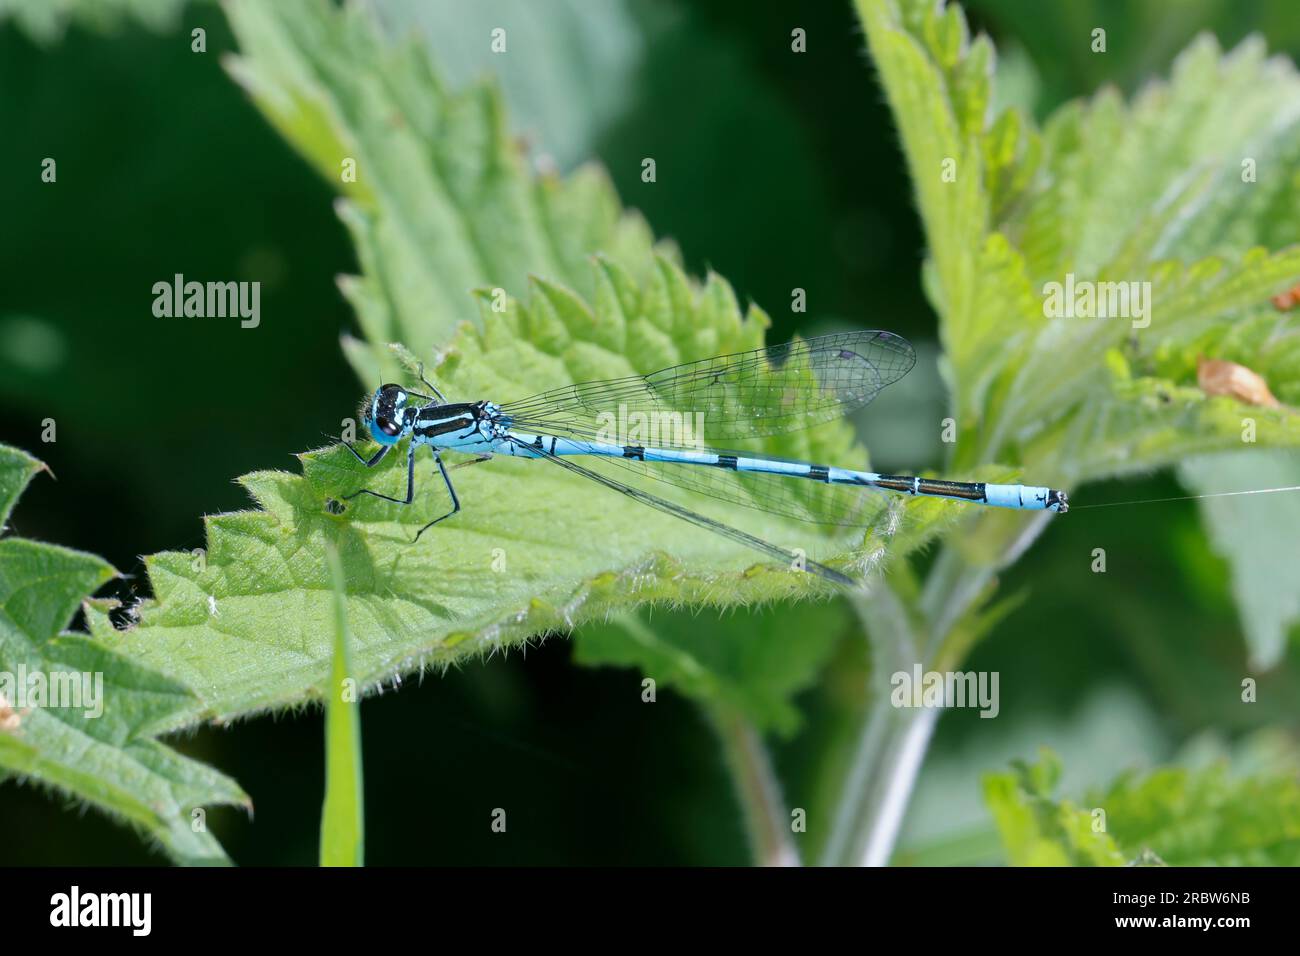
[[895, 647], [342, 829], [767, 822], [893, 741]]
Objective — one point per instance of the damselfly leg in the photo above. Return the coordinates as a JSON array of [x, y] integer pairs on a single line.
[[410, 478], [429, 385], [455, 501], [410, 484], [368, 462]]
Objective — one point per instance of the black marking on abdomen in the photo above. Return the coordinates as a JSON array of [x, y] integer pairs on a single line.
[[966, 490], [634, 451], [895, 483], [819, 473], [726, 461]]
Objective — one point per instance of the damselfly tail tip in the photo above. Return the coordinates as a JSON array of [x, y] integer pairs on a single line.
[[1058, 501]]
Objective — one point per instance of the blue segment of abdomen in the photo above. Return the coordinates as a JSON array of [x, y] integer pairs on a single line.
[[1023, 497]]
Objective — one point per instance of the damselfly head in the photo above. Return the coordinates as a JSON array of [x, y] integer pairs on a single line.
[[388, 416]]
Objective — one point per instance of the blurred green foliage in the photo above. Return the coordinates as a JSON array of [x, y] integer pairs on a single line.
[[1212, 814]]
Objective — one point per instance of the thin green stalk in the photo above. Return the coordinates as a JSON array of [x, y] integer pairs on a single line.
[[895, 645], [894, 741], [342, 825], [767, 821]]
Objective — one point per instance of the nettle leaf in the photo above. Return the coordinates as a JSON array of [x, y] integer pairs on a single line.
[[573, 74], [750, 664], [1210, 815], [1153, 191], [1039, 830], [443, 201], [103, 750], [1190, 188], [939, 86], [535, 547], [1266, 343], [1217, 144]]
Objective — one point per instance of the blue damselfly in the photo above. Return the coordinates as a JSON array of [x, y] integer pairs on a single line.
[[748, 395]]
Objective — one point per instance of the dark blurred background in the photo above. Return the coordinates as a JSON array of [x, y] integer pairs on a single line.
[[777, 170]]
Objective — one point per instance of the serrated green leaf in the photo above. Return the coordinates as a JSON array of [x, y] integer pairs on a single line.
[[1154, 190], [102, 750], [1036, 829], [1209, 815], [16, 469], [534, 548], [569, 71], [443, 200]]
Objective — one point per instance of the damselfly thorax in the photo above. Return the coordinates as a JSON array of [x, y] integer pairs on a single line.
[[464, 427]]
